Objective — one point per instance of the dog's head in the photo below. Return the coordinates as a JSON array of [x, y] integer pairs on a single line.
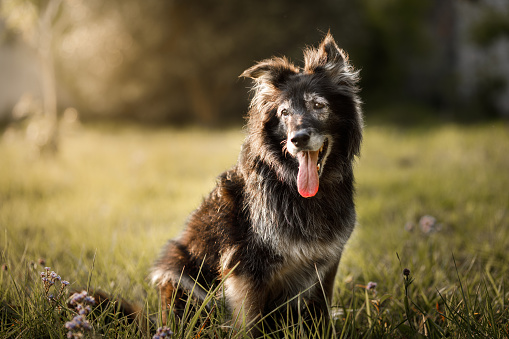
[[313, 114]]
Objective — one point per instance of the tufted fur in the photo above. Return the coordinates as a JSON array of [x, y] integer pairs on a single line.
[[255, 225]]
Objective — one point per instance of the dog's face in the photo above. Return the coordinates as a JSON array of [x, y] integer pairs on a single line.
[[310, 116], [304, 116]]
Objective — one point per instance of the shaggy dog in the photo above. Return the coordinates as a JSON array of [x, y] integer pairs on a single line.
[[276, 224]]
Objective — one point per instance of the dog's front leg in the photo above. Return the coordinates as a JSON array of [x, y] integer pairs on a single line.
[[328, 282], [245, 301], [320, 302]]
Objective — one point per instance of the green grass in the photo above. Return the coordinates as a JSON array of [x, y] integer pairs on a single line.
[[99, 212]]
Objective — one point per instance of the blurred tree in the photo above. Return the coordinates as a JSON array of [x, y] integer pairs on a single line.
[[400, 46], [178, 61], [484, 62], [490, 27], [37, 21]]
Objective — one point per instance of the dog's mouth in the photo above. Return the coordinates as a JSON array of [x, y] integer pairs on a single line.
[[310, 168], [321, 155]]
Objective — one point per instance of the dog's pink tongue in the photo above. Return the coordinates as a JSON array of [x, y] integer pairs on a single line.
[[307, 179]]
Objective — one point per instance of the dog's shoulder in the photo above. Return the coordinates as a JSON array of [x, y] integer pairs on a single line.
[[220, 215], [230, 185]]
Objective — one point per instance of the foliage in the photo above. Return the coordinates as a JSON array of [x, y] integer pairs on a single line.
[[38, 23], [177, 61], [491, 26], [431, 199]]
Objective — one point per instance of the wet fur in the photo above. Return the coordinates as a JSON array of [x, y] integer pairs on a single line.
[[254, 225]]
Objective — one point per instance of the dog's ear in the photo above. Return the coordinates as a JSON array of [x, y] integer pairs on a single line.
[[274, 71], [329, 58], [332, 61], [355, 133]]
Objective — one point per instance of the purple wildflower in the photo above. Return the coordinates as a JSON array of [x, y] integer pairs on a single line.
[[163, 332], [428, 224], [70, 325], [77, 298], [409, 226], [82, 302], [90, 300], [49, 279], [76, 326], [406, 272], [371, 285]]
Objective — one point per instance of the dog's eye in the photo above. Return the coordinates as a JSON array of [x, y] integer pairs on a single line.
[[318, 105], [284, 112]]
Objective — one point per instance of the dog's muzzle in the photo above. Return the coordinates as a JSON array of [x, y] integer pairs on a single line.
[[300, 138], [310, 150]]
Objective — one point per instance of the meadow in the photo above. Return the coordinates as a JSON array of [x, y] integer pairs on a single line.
[[98, 212]]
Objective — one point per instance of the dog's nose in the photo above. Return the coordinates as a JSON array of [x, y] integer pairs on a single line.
[[300, 139]]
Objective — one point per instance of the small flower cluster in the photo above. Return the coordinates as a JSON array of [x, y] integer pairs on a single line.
[[371, 285], [82, 303], [163, 332], [427, 223], [49, 279], [76, 326]]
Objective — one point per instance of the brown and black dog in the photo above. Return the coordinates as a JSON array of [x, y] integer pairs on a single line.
[[277, 222]]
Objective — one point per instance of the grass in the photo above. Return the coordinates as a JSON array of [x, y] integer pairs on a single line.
[[99, 212]]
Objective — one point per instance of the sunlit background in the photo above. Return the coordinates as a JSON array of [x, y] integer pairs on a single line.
[[178, 62], [117, 115]]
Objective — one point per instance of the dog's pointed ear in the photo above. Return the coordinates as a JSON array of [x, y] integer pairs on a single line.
[[274, 71], [328, 57]]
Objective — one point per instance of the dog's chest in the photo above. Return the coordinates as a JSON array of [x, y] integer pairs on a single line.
[[303, 266], [306, 238], [309, 257]]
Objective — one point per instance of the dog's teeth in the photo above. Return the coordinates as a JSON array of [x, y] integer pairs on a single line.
[[321, 148], [318, 168]]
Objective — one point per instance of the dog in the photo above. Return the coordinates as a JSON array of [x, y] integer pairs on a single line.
[[276, 224]]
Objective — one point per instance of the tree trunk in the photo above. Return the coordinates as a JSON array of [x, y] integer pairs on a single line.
[[49, 91]]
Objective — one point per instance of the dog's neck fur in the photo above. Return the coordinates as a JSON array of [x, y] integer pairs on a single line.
[[281, 218]]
